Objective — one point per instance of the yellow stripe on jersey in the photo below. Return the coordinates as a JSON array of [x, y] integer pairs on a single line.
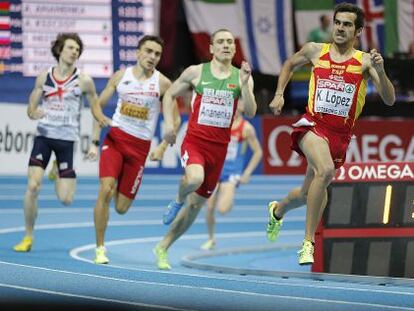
[[325, 64], [325, 49], [311, 93], [354, 69], [361, 98], [320, 64]]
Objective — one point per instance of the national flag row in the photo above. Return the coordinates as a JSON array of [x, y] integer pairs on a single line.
[[265, 33]]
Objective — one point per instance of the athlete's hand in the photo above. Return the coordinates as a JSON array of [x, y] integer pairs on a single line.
[[377, 60], [158, 153], [245, 72], [104, 121], [92, 154], [37, 114], [169, 135], [244, 179], [276, 104]]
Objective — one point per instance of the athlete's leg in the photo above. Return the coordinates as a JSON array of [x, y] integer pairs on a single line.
[[34, 183], [296, 197], [211, 208], [184, 219], [191, 181], [122, 203], [316, 150], [107, 190], [39, 158], [65, 189], [222, 199], [65, 183], [226, 198]]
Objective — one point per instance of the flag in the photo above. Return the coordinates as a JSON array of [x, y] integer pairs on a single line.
[[307, 16], [4, 22], [373, 35], [5, 37], [263, 29], [399, 25]]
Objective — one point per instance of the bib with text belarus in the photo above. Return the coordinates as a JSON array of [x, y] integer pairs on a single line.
[[334, 97], [216, 108]]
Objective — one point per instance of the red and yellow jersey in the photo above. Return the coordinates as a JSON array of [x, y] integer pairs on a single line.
[[336, 91]]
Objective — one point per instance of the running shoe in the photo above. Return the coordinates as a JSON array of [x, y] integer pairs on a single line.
[[172, 210], [208, 245], [100, 255], [162, 258], [274, 225], [25, 245], [306, 253]]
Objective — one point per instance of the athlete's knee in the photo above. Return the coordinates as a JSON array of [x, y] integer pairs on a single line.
[[107, 191], [326, 173], [121, 208], [66, 199], [33, 187], [195, 206], [224, 209], [195, 179]]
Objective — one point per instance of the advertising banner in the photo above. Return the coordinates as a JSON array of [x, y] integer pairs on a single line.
[[374, 140]]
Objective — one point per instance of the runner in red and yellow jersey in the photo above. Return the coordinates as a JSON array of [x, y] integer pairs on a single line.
[[216, 86], [337, 91]]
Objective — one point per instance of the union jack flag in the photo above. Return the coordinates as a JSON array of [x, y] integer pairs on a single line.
[[373, 35]]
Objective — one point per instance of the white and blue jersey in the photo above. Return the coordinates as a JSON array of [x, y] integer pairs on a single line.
[[61, 102]]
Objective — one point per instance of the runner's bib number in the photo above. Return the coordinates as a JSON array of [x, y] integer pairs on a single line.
[[333, 97], [216, 112]]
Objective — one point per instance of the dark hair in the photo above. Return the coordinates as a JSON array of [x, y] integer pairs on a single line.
[[217, 31], [146, 38], [59, 43], [351, 8]]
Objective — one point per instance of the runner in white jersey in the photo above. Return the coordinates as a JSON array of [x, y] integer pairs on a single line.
[[60, 90], [127, 144]]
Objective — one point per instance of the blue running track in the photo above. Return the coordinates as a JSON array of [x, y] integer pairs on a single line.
[[244, 272]]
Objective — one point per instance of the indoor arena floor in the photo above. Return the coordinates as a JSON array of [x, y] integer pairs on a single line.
[[243, 272]]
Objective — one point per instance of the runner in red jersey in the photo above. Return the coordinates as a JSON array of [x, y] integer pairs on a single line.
[[337, 91], [126, 146], [216, 85]]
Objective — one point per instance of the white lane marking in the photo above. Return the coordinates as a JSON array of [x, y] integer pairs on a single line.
[[140, 222], [124, 302], [144, 196], [155, 187], [133, 209], [76, 251], [220, 290]]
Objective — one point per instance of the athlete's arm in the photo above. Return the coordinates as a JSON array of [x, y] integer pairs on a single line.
[[250, 136], [304, 56], [88, 88], [33, 110], [189, 78], [104, 97], [246, 82], [158, 153], [375, 67]]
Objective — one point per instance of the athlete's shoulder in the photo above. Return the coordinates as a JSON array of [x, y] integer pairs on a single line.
[[192, 72], [117, 76], [165, 82]]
